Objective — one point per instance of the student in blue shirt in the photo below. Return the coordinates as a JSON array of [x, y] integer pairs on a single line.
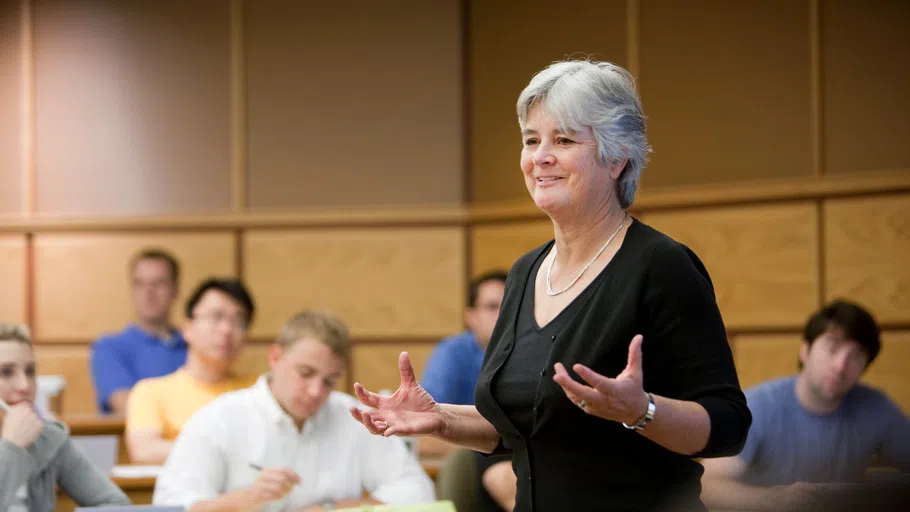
[[818, 428], [150, 346]]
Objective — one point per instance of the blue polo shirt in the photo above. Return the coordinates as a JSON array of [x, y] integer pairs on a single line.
[[121, 360], [453, 368]]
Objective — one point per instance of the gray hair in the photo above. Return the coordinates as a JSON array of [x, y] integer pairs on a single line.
[[582, 93]]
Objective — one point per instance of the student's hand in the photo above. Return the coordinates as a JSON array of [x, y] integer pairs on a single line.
[[21, 426], [410, 411], [272, 484]]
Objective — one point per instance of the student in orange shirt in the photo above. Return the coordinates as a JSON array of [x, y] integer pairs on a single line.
[[218, 315]]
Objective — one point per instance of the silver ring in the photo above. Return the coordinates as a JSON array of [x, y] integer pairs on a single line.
[[581, 404], [384, 424]]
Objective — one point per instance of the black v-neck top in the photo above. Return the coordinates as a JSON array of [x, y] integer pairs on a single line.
[[566, 460], [516, 385]]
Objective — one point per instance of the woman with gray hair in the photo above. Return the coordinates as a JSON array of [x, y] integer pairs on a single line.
[[36, 455], [592, 420]]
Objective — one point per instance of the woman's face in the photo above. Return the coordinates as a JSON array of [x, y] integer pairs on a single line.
[[561, 169], [17, 372]]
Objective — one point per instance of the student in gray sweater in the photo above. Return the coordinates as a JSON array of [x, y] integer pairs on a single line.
[[37, 455]]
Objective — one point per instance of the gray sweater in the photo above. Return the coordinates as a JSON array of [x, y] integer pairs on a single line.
[[53, 459]]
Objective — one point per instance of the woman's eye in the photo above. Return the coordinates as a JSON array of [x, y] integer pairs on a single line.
[[562, 141], [530, 142]]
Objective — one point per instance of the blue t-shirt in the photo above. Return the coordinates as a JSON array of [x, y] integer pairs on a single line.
[[121, 360], [787, 443], [453, 368]]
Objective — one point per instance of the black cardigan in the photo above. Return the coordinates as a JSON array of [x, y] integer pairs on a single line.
[[572, 461]]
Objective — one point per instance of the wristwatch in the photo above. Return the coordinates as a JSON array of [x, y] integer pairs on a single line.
[[645, 418]]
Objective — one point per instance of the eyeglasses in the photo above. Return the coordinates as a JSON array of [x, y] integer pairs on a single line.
[[237, 322]]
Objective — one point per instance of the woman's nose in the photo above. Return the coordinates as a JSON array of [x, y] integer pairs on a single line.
[[544, 155]]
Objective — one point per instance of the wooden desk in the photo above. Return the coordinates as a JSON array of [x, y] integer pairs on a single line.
[[139, 490]]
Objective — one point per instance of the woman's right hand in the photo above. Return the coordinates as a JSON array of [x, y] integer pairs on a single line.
[[21, 426], [409, 411]]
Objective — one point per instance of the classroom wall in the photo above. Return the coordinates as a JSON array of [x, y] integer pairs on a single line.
[[363, 156]]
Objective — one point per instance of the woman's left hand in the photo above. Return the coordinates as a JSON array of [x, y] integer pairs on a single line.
[[620, 399]]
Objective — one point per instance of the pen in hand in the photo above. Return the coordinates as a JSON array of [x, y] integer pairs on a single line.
[[257, 467], [4, 405]]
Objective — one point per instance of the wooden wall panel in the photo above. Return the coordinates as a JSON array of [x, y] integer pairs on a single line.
[[498, 246], [382, 282], [11, 98], [866, 72], [82, 284], [502, 60], [353, 103], [72, 363], [761, 357], [133, 106], [889, 370], [375, 365], [762, 259], [867, 250], [13, 278], [725, 86]]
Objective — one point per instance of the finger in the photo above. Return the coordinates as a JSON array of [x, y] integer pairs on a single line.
[[633, 364], [370, 423], [399, 430], [575, 390], [366, 397], [291, 476], [406, 370], [355, 412], [596, 380]]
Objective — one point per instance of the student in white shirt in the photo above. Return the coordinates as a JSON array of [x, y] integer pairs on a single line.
[[289, 442]]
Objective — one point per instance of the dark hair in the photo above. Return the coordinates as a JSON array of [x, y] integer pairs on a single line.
[[229, 286], [493, 275], [160, 255], [858, 325]]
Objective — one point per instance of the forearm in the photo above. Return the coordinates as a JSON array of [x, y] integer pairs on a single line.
[[150, 451], [726, 493], [434, 447], [17, 464], [465, 427], [680, 426]]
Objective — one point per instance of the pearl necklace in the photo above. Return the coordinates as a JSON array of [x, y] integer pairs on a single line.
[[550, 291]]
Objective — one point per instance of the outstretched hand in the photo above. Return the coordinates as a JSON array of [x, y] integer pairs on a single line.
[[620, 399], [409, 411]]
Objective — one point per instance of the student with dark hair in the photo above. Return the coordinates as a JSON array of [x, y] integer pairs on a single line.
[[148, 347], [820, 426], [219, 313]]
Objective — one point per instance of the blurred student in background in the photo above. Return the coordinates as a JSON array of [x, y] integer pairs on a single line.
[[218, 315], [290, 439], [36, 456], [816, 427], [150, 346]]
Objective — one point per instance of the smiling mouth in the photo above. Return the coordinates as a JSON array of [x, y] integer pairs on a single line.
[[548, 179]]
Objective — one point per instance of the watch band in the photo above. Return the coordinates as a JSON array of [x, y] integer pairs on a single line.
[[645, 418]]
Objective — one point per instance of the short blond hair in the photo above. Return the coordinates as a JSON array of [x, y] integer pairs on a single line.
[[319, 325], [15, 332]]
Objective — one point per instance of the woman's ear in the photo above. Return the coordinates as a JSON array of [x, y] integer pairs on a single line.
[[617, 168]]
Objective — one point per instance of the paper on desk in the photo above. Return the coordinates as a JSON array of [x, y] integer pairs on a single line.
[[136, 471]]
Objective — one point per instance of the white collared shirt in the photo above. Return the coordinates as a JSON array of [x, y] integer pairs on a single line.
[[334, 455]]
